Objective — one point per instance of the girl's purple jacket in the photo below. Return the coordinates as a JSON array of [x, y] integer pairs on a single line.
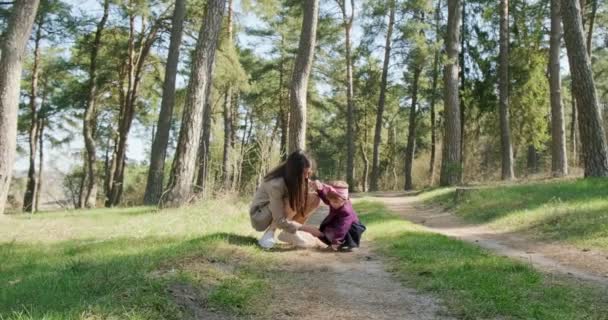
[[336, 225]]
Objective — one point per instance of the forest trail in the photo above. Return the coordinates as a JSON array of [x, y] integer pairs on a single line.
[[346, 285], [584, 265], [321, 284]]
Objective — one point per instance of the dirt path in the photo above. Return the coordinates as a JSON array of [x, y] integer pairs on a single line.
[[354, 285], [585, 265]]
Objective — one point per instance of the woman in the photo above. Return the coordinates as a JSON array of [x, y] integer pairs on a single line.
[[282, 201]]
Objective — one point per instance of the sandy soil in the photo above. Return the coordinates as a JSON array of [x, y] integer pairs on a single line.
[[321, 284]]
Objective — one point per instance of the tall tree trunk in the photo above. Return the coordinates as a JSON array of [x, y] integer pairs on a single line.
[[182, 174], [532, 159], [503, 88], [593, 140], [301, 72], [228, 114], [226, 172], [382, 99], [559, 160], [591, 25], [461, 57], [435, 77], [89, 123], [451, 171], [283, 109], [574, 127], [12, 47], [40, 163], [136, 61], [347, 23], [411, 137], [30, 191], [203, 154], [154, 185]]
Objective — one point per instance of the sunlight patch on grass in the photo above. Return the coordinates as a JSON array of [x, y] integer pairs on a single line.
[[573, 211], [118, 263]]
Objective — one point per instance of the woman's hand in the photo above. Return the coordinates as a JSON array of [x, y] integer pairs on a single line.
[[312, 230], [315, 185]]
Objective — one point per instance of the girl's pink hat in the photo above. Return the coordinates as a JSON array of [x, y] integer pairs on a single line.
[[339, 188]]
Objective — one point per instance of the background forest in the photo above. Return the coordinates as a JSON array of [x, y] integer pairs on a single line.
[[108, 85]]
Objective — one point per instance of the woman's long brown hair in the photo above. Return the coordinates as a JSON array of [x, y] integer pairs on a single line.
[[292, 172]]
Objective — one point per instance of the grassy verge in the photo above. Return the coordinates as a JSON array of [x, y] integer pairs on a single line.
[[474, 283], [573, 211], [122, 263]]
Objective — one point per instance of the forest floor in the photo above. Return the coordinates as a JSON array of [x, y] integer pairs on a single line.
[[202, 262]]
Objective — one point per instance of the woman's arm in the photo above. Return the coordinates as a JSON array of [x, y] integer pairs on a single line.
[[312, 230], [279, 215]]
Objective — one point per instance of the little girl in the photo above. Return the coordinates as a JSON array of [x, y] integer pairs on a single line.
[[341, 229]]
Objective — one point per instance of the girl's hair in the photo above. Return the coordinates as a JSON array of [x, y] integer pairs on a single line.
[[292, 172]]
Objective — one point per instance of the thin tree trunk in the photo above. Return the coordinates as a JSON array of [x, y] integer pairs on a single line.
[[559, 160], [180, 187], [503, 88], [591, 25], [451, 171], [228, 115], [411, 137], [156, 173], [135, 66], [89, 123], [347, 23], [532, 160], [31, 189], [382, 99], [301, 72], [284, 114], [574, 127], [40, 163], [434, 82], [461, 57], [226, 172], [593, 139]]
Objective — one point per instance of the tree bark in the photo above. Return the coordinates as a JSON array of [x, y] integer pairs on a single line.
[[347, 23], [89, 123], [182, 174], [591, 25], [29, 198], [461, 57], [593, 140], [382, 99], [532, 160], [301, 71], [40, 163], [156, 173], [503, 88], [559, 160], [13, 44], [226, 172], [451, 171], [435, 77], [228, 113], [203, 154], [411, 137]]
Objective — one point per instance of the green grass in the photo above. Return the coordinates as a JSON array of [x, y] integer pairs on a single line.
[[474, 283], [572, 211], [123, 264], [119, 263]]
